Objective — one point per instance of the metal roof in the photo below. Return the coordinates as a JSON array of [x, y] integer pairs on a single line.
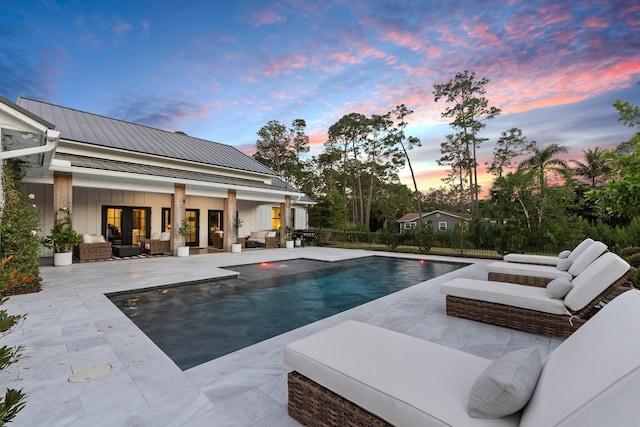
[[103, 131]]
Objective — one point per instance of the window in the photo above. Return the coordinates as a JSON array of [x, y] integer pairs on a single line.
[[275, 218], [293, 218], [442, 225]]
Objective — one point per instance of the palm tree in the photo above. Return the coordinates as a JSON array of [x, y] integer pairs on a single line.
[[542, 161], [596, 168]]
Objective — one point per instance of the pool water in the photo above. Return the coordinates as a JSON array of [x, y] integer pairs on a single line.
[[199, 322]]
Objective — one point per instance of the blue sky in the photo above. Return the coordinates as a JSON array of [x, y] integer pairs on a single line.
[[220, 70]]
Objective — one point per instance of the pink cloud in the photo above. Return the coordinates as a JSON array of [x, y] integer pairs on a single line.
[[596, 22], [285, 64], [268, 17]]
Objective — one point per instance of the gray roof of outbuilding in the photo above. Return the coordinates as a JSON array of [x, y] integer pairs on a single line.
[[88, 128]]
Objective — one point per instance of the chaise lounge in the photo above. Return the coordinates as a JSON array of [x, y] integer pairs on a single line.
[[531, 308], [538, 275], [549, 260], [354, 374], [92, 247]]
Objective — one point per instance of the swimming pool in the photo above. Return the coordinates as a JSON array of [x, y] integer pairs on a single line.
[[199, 322]]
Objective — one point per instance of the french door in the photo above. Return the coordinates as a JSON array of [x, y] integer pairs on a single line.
[[216, 223], [192, 238], [124, 225]]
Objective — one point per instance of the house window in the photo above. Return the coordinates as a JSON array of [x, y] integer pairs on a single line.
[[407, 225], [442, 225], [293, 218], [275, 218]]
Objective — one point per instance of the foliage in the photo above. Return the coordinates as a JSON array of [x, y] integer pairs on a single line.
[[634, 260], [184, 228], [237, 223], [329, 212], [628, 251], [19, 225], [62, 237], [14, 400], [469, 109], [510, 145]]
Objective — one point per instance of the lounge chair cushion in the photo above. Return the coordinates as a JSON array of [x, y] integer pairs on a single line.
[[587, 257], [592, 378], [93, 238], [529, 297], [257, 236], [506, 385], [564, 254], [404, 380], [549, 272], [559, 288], [165, 236], [594, 279], [575, 253], [564, 264], [532, 259]]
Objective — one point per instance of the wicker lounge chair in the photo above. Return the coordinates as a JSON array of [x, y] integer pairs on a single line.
[[92, 247], [354, 374], [530, 309], [549, 260], [158, 244], [539, 275]]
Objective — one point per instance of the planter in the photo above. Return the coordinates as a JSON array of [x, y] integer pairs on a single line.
[[62, 259], [183, 251], [236, 247], [289, 244]]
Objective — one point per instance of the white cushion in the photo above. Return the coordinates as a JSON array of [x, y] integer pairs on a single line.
[[559, 288], [592, 378], [402, 379], [575, 253], [548, 272], [597, 277], [529, 297], [564, 254], [147, 246], [257, 235], [506, 385], [155, 236], [587, 257], [87, 238], [271, 234], [531, 259], [101, 239], [564, 264], [164, 236]]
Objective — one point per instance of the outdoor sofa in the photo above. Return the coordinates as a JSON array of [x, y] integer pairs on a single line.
[[92, 247], [549, 260], [355, 374], [531, 308], [539, 275]]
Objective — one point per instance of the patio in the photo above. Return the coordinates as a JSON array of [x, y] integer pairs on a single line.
[[72, 326]]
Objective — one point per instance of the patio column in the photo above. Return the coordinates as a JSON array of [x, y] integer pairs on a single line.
[[285, 218], [178, 206], [62, 191], [230, 208]]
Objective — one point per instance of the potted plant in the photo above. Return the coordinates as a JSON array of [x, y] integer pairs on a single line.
[[237, 223], [62, 238], [184, 228], [289, 237]]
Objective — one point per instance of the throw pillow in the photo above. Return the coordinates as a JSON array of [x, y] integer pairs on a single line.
[[564, 264], [559, 288], [87, 238], [564, 254], [506, 385]]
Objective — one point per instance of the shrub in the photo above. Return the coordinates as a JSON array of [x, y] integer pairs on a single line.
[[628, 251], [634, 260]]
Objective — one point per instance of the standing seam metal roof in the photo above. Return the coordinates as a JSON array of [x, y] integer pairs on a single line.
[[93, 129]]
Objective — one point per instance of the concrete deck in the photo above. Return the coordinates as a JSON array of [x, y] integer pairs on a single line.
[[71, 326]]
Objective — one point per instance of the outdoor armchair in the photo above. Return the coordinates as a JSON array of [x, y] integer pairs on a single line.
[[549, 260]]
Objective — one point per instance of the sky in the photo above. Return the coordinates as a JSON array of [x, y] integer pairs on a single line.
[[220, 70]]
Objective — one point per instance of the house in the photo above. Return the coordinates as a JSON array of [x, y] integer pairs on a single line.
[[127, 181], [440, 220]]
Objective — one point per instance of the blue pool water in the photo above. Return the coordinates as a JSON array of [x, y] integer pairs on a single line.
[[196, 323]]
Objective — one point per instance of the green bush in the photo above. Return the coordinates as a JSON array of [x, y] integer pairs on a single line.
[[628, 251], [634, 260]]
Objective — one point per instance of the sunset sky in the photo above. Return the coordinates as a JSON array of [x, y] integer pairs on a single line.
[[220, 70]]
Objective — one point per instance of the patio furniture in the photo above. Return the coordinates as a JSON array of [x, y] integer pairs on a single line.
[[540, 276], [126, 250], [217, 240], [157, 244], [264, 239], [92, 247], [306, 236], [354, 374], [530, 308], [549, 260]]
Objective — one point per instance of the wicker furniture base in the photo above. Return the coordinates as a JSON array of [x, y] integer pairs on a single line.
[[92, 251], [540, 282], [155, 246], [316, 406], [535, 321]]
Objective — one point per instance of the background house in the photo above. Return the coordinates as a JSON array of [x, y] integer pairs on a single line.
[[440, 220], [128, 181]]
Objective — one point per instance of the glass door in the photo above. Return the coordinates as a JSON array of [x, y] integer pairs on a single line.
[[193, 230], [215, 228], [124, 225]]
